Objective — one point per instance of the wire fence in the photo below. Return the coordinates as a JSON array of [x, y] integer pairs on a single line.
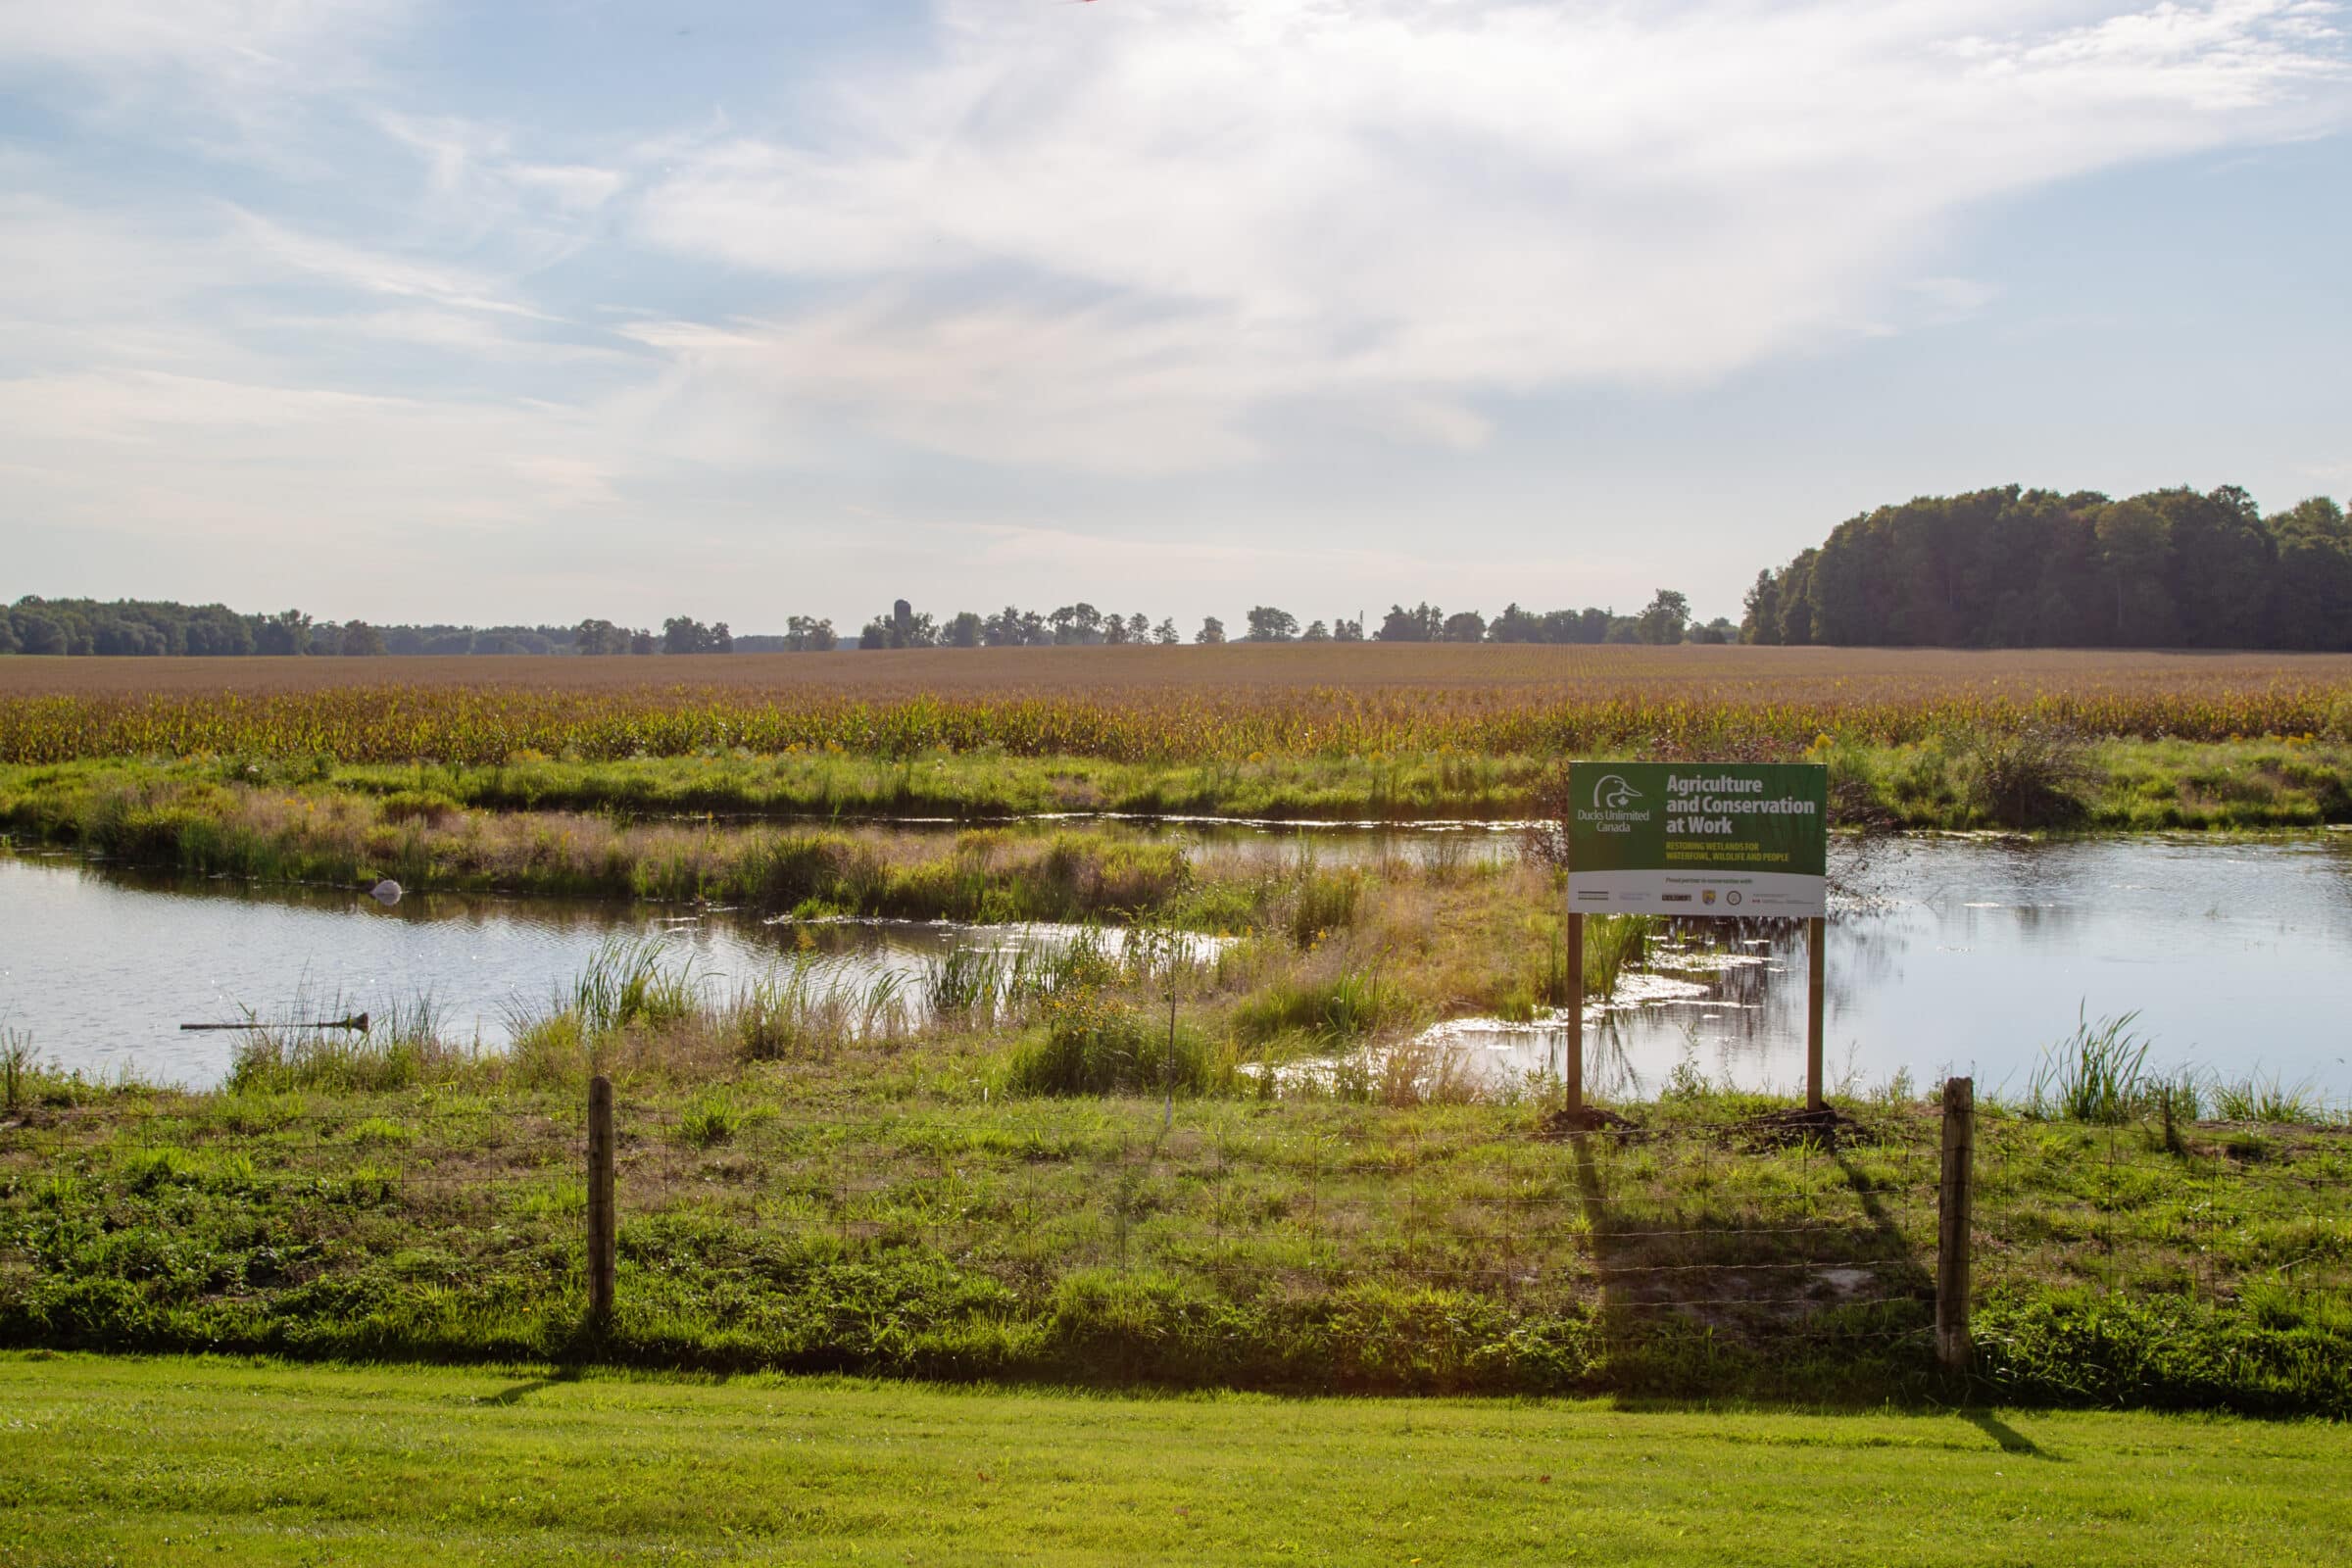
[[1751, 1226]]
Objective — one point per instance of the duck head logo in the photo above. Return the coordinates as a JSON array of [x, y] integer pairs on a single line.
[[1613, 794]]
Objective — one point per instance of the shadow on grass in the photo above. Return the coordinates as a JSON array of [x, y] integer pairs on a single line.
[[1686, 1294], [530, 1386], [2008, 1436]]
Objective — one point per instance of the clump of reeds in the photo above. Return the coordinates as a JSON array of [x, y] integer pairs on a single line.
[[970, 985], [627, 982], [1095, 1044], [1323, 902], [15, 1067], [1420, 1071], [2255, 1098], [2030, 776], [404, 1046], [2096, 1074], [1332, 1010], [974, 986], [1613, 944], [803, 1013]]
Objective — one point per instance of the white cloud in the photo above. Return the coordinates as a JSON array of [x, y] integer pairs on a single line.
[[1140, 239], [274, 249], [255, 42], [1108, 237], [227, 76]]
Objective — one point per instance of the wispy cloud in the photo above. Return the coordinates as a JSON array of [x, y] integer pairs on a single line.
[[1109, 238], [264, 274]]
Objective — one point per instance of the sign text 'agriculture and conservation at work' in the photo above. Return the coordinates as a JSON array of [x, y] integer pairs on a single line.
[[1723, 839]]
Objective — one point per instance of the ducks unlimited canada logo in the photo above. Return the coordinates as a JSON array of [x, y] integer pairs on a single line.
[[1611, 793], [1616, 806]]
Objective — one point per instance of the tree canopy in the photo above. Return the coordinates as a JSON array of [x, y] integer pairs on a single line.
[[2014, 568]]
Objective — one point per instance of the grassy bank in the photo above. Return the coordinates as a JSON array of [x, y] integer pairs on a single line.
[[1960, 780], [427, 843], [160, 1460], [1046, 1198]]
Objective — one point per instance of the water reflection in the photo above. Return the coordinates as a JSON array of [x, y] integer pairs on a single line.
[[1962, 954], [101, 966], [1969, 955]]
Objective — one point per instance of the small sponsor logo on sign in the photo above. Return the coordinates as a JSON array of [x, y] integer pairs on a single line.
[[1613, 794]]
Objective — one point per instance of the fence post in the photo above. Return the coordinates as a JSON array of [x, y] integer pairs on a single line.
[[600, 1200], [1955, 1202]]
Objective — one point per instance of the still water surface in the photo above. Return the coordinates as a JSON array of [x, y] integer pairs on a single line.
[[1968, 955]]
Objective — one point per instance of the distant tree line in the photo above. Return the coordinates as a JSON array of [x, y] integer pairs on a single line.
[[2032, 569], [160, 627], [1993, 568], [1071, 627], [86, 626], [1666, 619]]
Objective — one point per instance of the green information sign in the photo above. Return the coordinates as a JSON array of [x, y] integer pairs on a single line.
[[1722, 839]]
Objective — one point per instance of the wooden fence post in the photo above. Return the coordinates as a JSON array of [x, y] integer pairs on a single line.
[[600, 1200], [1575, 1064], [1955, 1202], [1816, 969]]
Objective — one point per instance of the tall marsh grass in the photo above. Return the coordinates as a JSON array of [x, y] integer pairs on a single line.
[[1613, 944], [2255, 1098], [17, 1069], [630, 982], [1095, 1044], [1322, 903], [2096, 1074], [806, 1012], [1332, 1010], [406, 1046], [2100, 1074]]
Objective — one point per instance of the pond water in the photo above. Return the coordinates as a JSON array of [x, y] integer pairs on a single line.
[[1966, 956], [1972, 955], [101, 966]]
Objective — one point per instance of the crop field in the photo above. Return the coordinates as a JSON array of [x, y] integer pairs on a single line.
[[1524, 671], [1154, 705]]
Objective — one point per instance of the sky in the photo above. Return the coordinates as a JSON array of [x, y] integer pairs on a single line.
[[420, 312]]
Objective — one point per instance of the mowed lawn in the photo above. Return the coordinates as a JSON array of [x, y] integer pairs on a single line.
[[108, 1460]]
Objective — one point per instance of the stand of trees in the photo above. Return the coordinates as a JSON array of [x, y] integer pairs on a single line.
[[138, 627], [1667, 619], [86, 626], [2032, 569], [1071, 627], [1992, 569]]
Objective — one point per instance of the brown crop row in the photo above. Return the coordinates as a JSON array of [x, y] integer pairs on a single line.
[[1141, 704]]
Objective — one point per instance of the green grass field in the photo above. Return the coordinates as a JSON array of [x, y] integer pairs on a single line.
[[172, 1461]]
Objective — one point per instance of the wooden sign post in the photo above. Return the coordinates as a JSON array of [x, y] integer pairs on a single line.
[[1573, 1071], [1817, 938], [1699, 841]]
